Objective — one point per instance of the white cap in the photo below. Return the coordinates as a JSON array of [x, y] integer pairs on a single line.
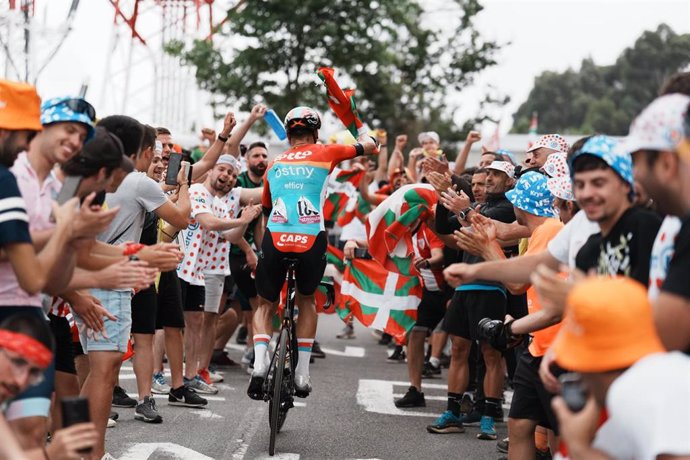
[[504, 166]]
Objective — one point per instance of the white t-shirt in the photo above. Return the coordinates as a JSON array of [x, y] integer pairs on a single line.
[[649, 410], [662, 253], [568, 242], [205, 251]]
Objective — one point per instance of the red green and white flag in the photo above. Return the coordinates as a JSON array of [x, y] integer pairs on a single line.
[[533, 128], [391, 224], [356, 207], [334, 205], [380, 299], [342, 102], [353, 176]]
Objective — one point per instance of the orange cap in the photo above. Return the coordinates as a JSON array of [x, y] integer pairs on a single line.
[[608, 326], [20, 107]]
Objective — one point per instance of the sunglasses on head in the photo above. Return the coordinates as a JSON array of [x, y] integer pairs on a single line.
[[78, 106]]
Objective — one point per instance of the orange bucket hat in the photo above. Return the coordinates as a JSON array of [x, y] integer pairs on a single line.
[[20, 107], [608, 326]]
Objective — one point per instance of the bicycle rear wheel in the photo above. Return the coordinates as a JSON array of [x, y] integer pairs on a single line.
[[274, 406]]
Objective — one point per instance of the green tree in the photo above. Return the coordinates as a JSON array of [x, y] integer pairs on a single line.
[[403, 71], [605, 98]]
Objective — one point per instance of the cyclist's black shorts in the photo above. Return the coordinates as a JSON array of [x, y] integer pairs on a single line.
[[271, 270]]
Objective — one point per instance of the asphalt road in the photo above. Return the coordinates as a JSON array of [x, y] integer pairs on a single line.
[[349, 415]]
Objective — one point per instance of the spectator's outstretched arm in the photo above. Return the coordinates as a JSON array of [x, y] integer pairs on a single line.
[[382, 168], [35, 271], [258, 111], [215, 150], [397, 160], [461, 160]]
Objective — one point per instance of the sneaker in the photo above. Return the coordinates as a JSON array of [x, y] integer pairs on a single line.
[[147, 412], [502, 445], [446, 423], [241, 335], [256, 387], [114, 415], [430, 371], [216, 377], [185, 396], [111, 423], [122, 399], [197, 384], [473, 418], [413, 398], [486, 427], [302, 386], [158, 384], [316, 350], [209, 377], [348, 332], [248, 356], [398, 355], [221, 358]]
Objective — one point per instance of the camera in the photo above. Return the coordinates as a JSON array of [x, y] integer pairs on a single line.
[[498, 333]]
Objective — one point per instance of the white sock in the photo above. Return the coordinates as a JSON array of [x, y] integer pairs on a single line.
[[304, 353], [260, 347]]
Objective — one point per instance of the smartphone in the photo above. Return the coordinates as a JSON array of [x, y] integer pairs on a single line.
[[173, 169], [573, 391], [99, 199], [75, 410], [362, 253], [69, 189]]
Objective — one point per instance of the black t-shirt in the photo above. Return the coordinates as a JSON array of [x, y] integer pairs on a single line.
[[244, 181], [626, 250], [676, 281]]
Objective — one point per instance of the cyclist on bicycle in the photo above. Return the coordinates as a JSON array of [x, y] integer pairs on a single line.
[[293, 197]]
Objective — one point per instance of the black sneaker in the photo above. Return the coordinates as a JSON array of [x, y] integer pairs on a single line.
[[221, 358], [122, 399], [147, 412], [430, 371], [185, 396], [256, 387], [413, 398], [473, 418], [502, 445], [385, 339], [466, 404], [398, 355], [241, 336], [316, 350]]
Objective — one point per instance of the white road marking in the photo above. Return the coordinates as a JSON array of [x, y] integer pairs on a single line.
[[377, 396], [206, 414], [144, 450], [285, 456], [350, 352]]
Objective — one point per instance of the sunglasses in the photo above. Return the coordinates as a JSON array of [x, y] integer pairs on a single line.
[[78, 106]]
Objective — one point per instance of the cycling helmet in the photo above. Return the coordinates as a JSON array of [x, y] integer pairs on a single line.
[[302, 118]]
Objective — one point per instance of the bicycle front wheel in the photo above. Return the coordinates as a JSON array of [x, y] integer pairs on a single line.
[[278, 373]]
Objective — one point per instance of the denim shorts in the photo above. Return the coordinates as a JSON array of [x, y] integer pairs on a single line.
[[118, 304]]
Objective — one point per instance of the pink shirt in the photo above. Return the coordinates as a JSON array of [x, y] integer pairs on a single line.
[[38, 198]]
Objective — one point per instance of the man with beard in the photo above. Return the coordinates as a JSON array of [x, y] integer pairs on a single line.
[[204, 266], [472, 302], [659, 154]]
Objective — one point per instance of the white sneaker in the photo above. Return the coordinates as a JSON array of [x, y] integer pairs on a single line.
[[201, 387], [216, 377], [111, 423], [158, 384]]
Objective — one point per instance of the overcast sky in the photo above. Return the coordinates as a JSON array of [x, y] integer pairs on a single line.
[[543, 35]]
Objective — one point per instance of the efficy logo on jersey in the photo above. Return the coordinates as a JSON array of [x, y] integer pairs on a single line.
[[294, 155], [301, 171], [279, 215], [308, 214], [291, 238]]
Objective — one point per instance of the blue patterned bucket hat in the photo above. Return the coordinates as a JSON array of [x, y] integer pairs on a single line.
[[607, 148], [74, 109], [531, 194]]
